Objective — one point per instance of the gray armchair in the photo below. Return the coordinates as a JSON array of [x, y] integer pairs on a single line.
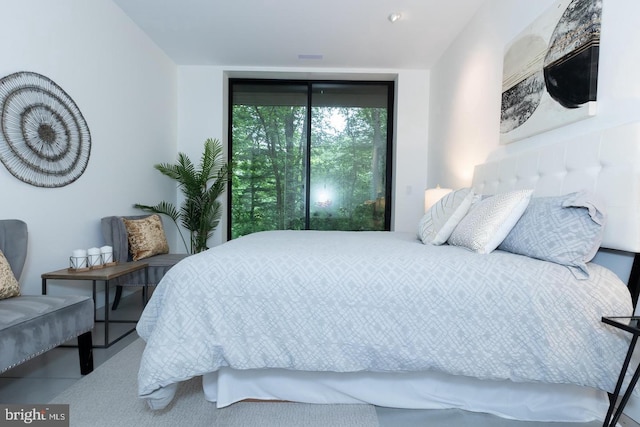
[[115, 235], [33, 324]]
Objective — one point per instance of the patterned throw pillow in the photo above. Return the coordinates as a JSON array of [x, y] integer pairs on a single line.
[[146, 237], [490, 220], [565, 229], [9, 286], [437, 224]]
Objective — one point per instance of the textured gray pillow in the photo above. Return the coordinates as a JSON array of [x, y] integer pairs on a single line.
[[565, 229], [490, 220], [440, 220]]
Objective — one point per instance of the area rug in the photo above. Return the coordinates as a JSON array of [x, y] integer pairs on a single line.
[[108, 397]]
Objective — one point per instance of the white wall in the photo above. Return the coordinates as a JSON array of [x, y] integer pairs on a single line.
[[125, 88], [201, 99], [202, 113], [466, 85], [410, 156]]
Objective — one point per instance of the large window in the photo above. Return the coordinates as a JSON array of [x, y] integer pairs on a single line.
[[309, 155]]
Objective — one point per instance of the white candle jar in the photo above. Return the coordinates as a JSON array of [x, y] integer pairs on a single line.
[[78, 260], [107, 255], [94, 258]]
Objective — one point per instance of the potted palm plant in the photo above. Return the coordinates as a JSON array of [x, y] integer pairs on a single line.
[[200, 211]]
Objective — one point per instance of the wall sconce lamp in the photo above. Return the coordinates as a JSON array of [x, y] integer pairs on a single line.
[[432, 195]]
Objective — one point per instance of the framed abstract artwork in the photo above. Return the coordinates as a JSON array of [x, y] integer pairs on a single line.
[[550, 73]]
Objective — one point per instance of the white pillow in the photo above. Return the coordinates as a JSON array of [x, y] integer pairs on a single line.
[[437, 224], [490, 220]]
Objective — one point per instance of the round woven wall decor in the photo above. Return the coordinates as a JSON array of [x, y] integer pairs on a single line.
[[44, 139]]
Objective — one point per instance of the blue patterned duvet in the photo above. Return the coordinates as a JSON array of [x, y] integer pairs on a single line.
[[378, 301]]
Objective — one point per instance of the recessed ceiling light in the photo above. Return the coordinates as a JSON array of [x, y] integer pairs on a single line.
[[393, 17]]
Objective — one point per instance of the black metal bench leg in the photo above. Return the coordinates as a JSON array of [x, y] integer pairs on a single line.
[[116, 299], [85, 352]]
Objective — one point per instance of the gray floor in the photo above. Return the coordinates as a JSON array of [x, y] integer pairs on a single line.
[[41, 379]]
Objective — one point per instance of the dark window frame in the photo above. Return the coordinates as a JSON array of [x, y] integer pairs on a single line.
[[390, 84]]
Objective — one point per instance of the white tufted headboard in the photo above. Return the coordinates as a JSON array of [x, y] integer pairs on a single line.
[[606, 162]]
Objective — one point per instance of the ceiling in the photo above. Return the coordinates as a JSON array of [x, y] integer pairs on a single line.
[[302, 33]]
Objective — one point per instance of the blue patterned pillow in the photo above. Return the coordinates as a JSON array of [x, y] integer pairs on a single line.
[[565, 229]]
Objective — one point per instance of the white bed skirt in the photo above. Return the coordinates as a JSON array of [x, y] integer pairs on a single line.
[[425, 390]]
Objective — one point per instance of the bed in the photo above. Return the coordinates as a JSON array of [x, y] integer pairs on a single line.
[[381, 318]]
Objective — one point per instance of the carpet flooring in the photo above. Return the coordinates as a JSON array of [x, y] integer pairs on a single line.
[[108, 397]]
